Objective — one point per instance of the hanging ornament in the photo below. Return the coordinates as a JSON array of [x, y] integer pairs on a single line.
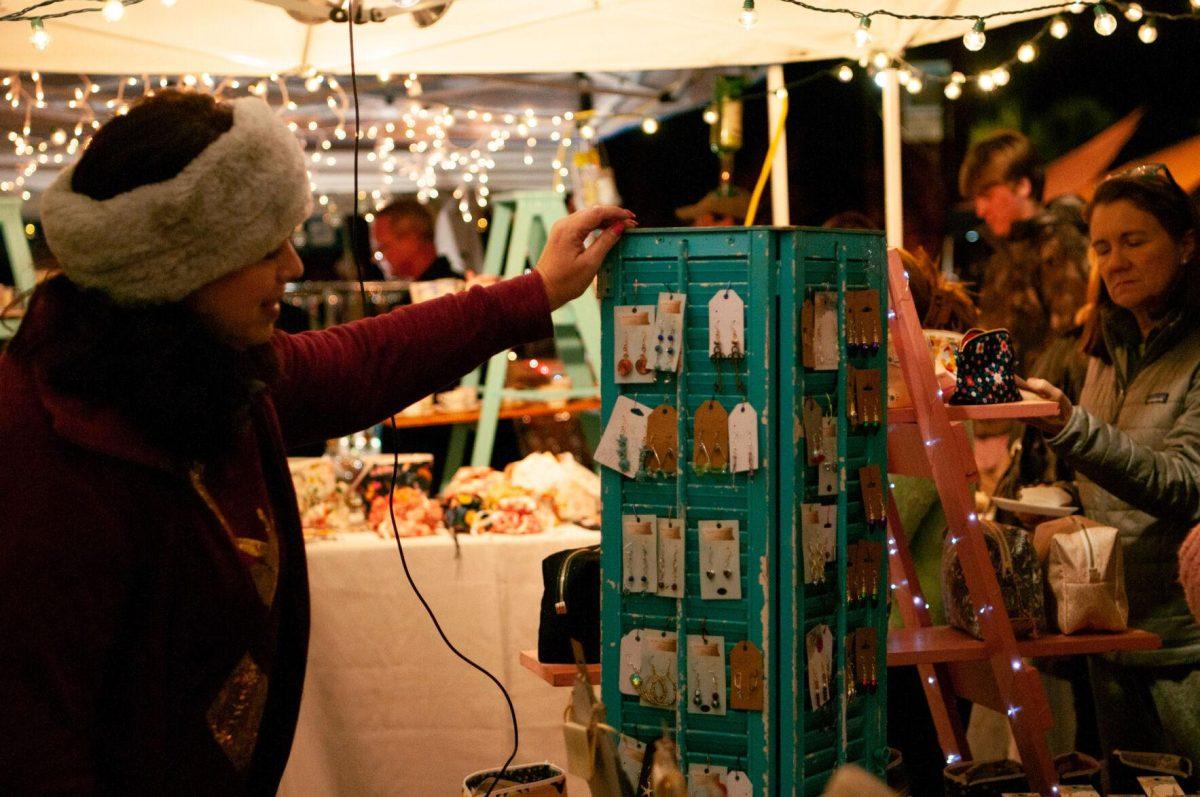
[[975, 38]]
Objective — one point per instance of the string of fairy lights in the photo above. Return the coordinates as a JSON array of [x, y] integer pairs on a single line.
[[429, 142]]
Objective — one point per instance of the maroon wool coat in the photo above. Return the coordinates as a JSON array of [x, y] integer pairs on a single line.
[[126, 608]]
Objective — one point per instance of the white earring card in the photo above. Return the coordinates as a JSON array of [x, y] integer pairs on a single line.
[[825, 331], [720, 560], [668, 335], [624, 437], [634, 341], [640, 553], [726, 325], [671, 564], [743, 439]]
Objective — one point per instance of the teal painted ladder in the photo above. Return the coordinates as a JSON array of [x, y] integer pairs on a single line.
[[521, 221], [12, 237]]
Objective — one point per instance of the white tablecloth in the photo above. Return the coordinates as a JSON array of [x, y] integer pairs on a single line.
[[387, 709]]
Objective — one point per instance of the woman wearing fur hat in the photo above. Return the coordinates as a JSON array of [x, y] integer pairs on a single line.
[[152, 576]]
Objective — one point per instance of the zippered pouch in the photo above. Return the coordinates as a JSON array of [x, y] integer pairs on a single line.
[[1086, 578]]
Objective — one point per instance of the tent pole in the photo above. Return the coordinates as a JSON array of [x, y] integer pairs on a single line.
[[780, 212], [893, 206]]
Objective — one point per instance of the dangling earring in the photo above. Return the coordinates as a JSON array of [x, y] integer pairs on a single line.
[[625, 365], [716, 350], [640, 366], [716, 699]]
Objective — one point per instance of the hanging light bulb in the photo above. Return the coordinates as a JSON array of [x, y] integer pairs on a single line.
[[1000, 76], [649, 125], [881, 60], [1105, 22], [1027, 52], [914, 85], [975, 38], [588, 132], [710, 116], [1059, 27], [113, 10], [880, 78], [1134, 12], [749, 17], [862, 36], [39, 38], [845, 73], [1148, 32], [952, 91], [903, 76], [986, 82]]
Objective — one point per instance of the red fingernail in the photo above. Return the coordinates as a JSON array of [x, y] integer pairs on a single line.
[[617, 228]]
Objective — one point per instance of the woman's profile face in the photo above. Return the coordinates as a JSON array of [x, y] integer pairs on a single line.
[[1137, 258], [241, 308]]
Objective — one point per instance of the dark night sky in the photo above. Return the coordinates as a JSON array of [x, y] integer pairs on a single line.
[[1074, 89]]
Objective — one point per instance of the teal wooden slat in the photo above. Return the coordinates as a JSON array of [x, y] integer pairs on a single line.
[[787, 749]]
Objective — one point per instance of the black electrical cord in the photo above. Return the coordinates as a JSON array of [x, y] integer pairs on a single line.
[[512, 711]]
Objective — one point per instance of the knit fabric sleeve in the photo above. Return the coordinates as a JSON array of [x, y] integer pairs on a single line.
[[341, 380], [1189, 570]]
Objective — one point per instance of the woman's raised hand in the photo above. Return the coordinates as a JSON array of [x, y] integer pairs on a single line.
[[1051, 424], [566, 266]]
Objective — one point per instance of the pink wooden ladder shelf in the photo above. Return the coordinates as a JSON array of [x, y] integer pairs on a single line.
[[929, 440]]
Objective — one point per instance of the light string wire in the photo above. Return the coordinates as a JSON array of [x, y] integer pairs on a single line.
[[512, 711], [27, 14]]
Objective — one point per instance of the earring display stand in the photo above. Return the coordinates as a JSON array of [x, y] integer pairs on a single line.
[[788, 747], [20, 261], [928, 440]]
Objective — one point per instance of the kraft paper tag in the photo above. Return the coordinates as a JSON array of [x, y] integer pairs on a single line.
[[867, 387], [853, 572], [706, 675], [634, 331], [851, 677], [670, 557], [852, 411], [872, 558], [710, 438], [746, 673], [870, 482], [726, 325], [865, 305], [814, 436], [825, 331], [662, 442], [624, 435], [807, 325], [1160, 786], [743, 438], [827, 473], [865, 650]]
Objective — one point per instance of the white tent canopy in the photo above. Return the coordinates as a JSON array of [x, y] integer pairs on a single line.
[[247, 37]]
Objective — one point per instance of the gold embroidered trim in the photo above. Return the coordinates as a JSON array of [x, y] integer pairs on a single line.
[[235, 714]]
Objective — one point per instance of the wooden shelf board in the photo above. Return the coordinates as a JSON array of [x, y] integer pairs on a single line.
[[519, 411], [1029, 408], [556, 674], [942, 643]]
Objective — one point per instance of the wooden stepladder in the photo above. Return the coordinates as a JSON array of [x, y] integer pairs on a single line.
[[929, 440]]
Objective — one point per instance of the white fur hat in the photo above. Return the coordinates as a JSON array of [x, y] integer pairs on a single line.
[[231, 206]]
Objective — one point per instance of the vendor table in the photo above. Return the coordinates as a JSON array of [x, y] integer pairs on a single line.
[[387, 709]]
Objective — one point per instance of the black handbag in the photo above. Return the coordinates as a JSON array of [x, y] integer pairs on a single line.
[[570, 605]]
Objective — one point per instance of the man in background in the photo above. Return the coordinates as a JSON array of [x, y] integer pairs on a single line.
[[402, 244], [725, 206], [1036, 279]]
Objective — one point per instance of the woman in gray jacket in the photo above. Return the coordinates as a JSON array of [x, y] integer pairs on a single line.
[[1134, 441]]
